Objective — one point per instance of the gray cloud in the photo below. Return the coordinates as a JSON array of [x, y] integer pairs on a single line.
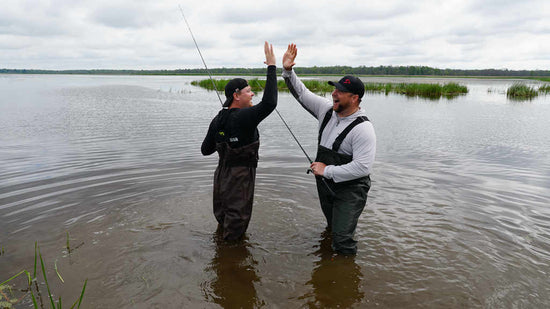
[[125, 34]]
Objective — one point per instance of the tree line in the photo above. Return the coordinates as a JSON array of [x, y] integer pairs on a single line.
[[315, 70]]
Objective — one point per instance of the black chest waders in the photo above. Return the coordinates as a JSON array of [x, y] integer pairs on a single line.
[[342, 210], [234, 181]]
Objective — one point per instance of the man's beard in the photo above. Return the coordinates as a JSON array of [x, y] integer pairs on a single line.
[[339, 107]]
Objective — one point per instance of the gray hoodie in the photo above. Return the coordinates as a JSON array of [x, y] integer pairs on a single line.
[[360, 143]]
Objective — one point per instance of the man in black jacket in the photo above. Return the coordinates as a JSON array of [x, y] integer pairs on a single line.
[[233, 133]]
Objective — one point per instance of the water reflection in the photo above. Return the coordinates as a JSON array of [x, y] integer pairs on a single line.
[[234, 273], [335, 279]]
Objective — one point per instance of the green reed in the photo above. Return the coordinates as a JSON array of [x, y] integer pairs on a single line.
[[259, 85], [544, 89], [521, 92], [318, 86], [8, 300], [420, 90]]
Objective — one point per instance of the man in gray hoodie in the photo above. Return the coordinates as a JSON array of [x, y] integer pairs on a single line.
[[346, 150]]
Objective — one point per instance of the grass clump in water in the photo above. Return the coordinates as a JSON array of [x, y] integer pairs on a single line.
[[255, 84], [419, 90], [258, 85], [8, 297], [544, 89], [521, 92], [425, 90], [318, 86], [454, 89]]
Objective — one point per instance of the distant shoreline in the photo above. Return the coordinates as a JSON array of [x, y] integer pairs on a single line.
[[382, 71]]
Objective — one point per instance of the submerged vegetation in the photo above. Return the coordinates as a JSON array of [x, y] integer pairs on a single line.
[[10, 295], [318, 86]]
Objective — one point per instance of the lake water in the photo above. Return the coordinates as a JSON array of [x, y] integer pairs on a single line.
[[458, 214]]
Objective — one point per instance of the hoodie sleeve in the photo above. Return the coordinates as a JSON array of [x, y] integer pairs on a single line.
[[363, 143], [316, 105]]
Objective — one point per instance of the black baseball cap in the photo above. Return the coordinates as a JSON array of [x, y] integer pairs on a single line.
[[233, 86], [351, 84]]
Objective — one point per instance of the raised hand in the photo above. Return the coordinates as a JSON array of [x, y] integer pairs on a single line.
[[289, 56], [269, 55]]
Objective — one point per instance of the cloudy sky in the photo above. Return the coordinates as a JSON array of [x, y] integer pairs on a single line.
[[140, 34]]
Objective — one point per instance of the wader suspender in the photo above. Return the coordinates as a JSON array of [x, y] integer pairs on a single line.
[[340, 138], [246, 155]]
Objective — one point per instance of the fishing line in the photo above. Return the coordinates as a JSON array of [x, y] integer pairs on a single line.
[[297, 142], [200, 54], [214, 85], [280, 116], [303, 150], [289, 130]]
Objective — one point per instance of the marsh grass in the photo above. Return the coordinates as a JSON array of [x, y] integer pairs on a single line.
[[418, 90], [8, 297], [520, 91], [409, 89], [259, 85], [544, 89]]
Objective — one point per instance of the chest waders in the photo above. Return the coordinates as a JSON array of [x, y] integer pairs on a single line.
[[342, 210], [234, 180]]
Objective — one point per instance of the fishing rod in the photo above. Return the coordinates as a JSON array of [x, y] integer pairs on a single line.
[[290, 131], [280, 116], [297, 142], [214, 85], [200, 54], [303, 150]]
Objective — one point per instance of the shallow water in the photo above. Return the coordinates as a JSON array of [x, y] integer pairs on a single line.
[[457, 215]]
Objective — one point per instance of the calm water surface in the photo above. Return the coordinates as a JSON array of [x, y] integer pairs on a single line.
[[457, 215]]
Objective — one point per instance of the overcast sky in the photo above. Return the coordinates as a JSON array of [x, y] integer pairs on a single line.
[[139, 34]]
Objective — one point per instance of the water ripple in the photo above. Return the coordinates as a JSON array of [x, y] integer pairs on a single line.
[[457, 214]]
